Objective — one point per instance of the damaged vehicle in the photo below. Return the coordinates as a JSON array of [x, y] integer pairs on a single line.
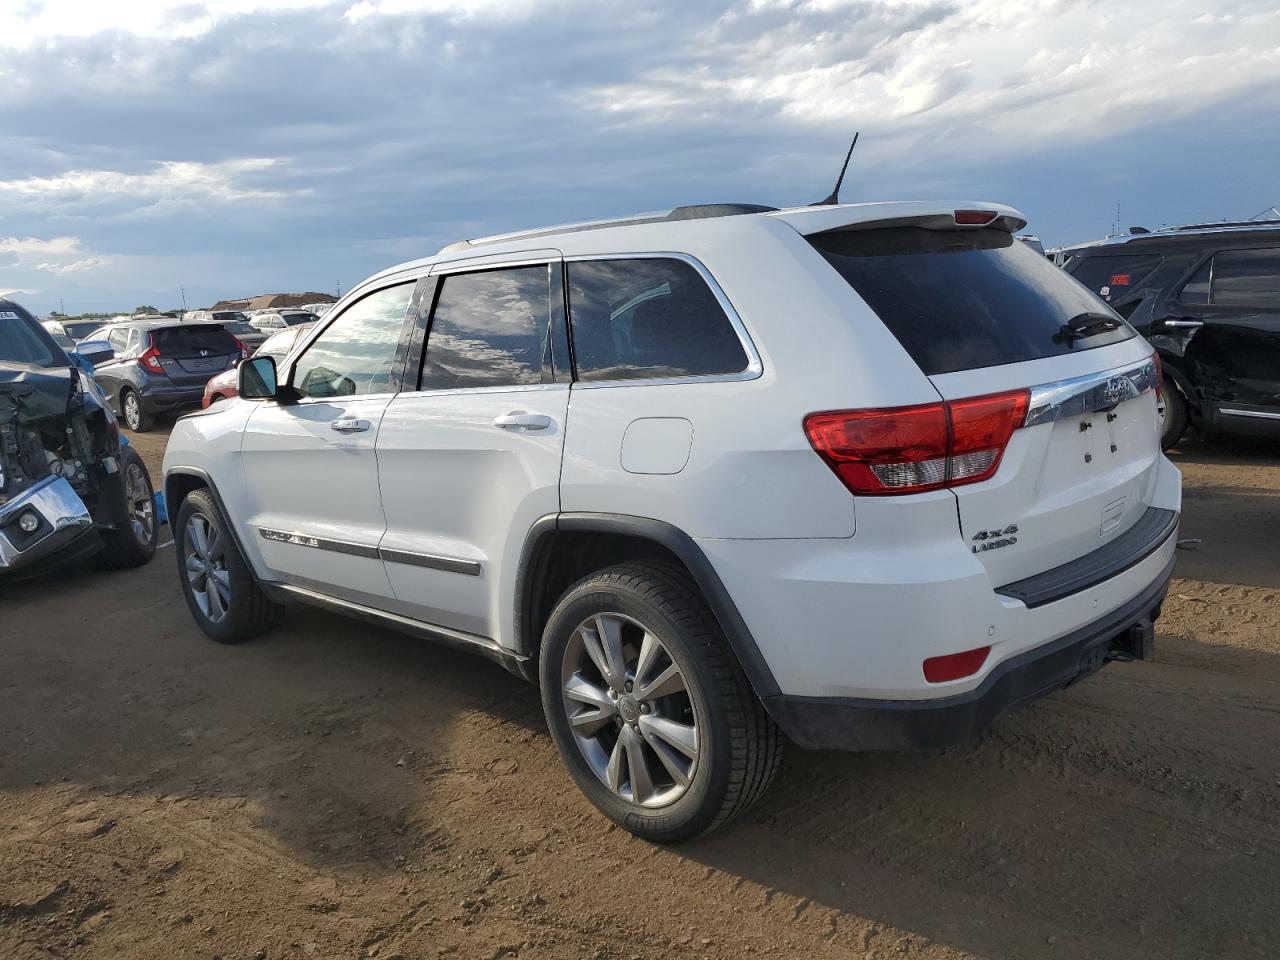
[[68, 487]]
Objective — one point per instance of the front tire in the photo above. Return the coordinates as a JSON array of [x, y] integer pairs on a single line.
[[1172, 407], [135, 417], [134, 543], [650, 711], [220, 589]]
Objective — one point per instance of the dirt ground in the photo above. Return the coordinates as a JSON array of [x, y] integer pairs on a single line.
[[333, 790]]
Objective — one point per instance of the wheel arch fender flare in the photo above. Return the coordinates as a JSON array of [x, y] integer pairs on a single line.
[[1174, 372], [668, 536], [177, 484]]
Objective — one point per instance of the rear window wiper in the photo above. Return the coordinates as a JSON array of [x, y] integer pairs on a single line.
[[1086, 325]]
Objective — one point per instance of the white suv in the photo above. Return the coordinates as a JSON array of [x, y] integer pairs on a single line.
[[866, 476]]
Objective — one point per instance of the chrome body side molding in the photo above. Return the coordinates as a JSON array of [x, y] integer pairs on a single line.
[[469, 568]]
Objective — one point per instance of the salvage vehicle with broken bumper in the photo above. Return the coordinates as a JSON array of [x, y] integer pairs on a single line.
[[70, 486]]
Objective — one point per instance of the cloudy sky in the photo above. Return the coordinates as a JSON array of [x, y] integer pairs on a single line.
[[243, 146]]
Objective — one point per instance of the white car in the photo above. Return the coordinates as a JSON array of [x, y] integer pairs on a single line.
[[866, 476]]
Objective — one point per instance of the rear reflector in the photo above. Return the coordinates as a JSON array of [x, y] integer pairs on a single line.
[[975, 218], [955, 665], [900, 450]]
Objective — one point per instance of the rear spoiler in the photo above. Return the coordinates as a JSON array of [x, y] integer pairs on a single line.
[[965, 215]]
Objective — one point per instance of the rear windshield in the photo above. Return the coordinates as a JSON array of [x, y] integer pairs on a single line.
[[80, 328], [230, 316], [189, 341], [1113, 277], [961, 300]]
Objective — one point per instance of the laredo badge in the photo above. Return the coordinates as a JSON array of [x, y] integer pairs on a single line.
[[985, 540]]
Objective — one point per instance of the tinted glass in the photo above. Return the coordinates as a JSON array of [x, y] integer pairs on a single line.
[[1196, 290], [230, 316], [293, 319], [19, 343], [1113, 277], [1247, 278], [79, 328], [960, 300], [488, 329], [648, 318], [356, 354], [189, 341]]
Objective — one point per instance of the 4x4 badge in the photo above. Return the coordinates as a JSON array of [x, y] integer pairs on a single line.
[[985, 540]]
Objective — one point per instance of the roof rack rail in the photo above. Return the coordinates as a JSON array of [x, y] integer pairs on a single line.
[[1271, 221], [697, 211]]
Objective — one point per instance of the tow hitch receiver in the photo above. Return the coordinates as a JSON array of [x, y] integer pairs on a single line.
[[1136, 643]]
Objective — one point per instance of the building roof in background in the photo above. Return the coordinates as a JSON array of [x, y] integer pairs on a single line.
[[267, 301]]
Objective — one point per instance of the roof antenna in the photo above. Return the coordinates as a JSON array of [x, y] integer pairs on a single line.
[[834, 199]]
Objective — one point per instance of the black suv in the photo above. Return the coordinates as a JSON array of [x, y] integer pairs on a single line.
[[1207, 296], [150, 367]]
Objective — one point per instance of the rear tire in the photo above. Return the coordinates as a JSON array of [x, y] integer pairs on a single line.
[[135, 417], [672, 744], [220, 589], [134, 543], [1173, 414]]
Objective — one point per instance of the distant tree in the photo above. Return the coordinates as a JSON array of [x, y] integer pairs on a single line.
[[145, 308]]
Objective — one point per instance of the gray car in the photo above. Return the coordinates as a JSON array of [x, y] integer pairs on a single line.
[[152, 367]]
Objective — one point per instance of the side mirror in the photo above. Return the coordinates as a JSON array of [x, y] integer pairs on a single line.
[[256, 378]]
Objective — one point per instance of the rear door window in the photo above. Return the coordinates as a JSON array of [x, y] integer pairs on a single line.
[[963, 300], [648, 318], [193, 342], [1196, 290], [1112, 277], [489, 329], [1247, 278]]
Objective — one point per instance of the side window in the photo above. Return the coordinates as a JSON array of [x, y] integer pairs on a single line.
[[1247, 278], [119, 340], [488, 329], [356, 354], [1196, 290], [646, 318]]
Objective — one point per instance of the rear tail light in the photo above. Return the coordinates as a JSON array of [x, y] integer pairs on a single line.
[[954, 666], [150, 359], [901, 450], [1155, 356], [244, 351]]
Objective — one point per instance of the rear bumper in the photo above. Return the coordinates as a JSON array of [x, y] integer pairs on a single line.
[[167, 400], [63, 519], [820, 723]]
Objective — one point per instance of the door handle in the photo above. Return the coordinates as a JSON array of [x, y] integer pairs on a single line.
[[349, 425], [522, 420], [1183, 324]]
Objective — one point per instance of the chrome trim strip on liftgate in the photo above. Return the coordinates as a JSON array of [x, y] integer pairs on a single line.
[[469, 568], [1091, 393]]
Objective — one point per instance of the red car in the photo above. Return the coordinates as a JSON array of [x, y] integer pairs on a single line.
[[223, 386]]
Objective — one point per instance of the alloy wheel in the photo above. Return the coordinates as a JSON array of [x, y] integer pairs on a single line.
[[132, 410], [632, 713], [137, 494], [206, 566], [1162, 405]]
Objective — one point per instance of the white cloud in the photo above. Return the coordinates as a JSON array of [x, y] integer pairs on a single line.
[[24, 246], [168, 180], [76, 266]]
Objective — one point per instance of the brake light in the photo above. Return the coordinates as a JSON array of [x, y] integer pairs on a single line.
[[955, 665], [150, 360], [244, 351], [975, 218], [913, 449]]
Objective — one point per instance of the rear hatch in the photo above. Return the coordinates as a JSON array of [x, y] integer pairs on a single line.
[[190, 355], [982, 314]]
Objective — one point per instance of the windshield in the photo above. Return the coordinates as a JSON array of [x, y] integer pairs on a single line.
[[239, 328], [293, 319], [21, 343], [79, 329], [963, 300], [230, 317]]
